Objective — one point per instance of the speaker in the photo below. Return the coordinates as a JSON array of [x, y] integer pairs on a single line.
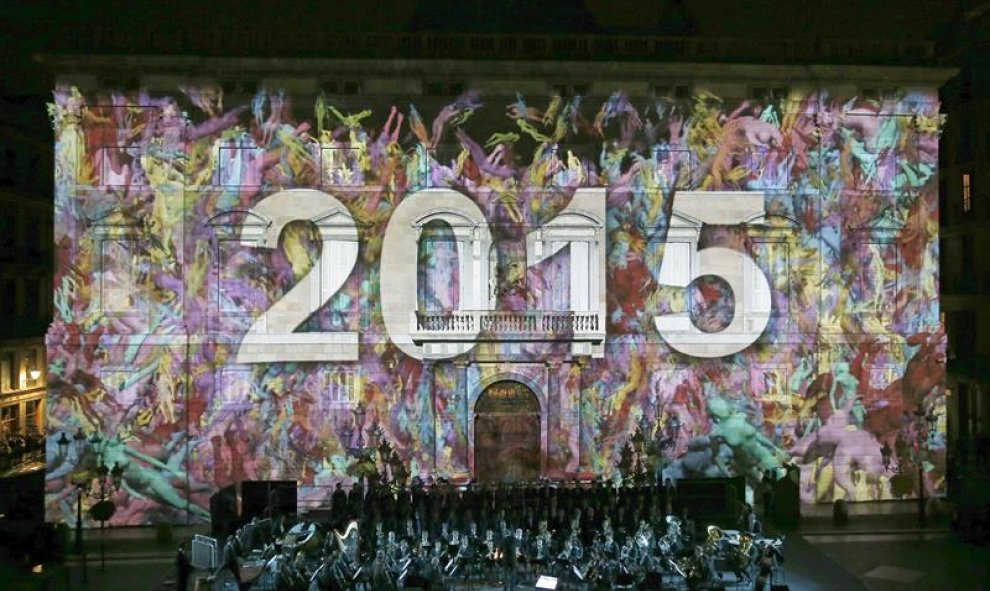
[[267, 498], [223, 512]]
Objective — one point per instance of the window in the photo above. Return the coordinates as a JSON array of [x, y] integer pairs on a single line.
[[439, 272], [876, 286], [879, 94], [773, 258], [672, 91], [8, 303], [119, 276], [340, 165], [32, 299], [235, 386], [239, 86], [671, 264], [10, 420], [337, 389], [674, 166], [967, 202], [444, 88], [342, 87], [566, 90], [10, 372], [8, 235], [767, 93], [123, 83], [32, 418], [239, 162]]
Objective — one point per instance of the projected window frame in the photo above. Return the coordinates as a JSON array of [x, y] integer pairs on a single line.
[[124, 385], [122, 278], [683, 235], [112, 129], [233, 389], [876, 278], [233, 230], [773, 232], [340, 165], [239, 162], [339, 388], [674, 164], [873, 164]]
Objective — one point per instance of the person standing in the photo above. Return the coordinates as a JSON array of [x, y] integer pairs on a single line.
[[182, 570], [510, 560]]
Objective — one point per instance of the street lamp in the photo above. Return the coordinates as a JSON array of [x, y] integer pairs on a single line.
[[359, 415], [109, 481], [924, 424]]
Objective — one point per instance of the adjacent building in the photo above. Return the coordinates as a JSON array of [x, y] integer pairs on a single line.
[[25, 272]]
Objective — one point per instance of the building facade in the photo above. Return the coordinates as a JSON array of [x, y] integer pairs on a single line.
[[25, 278], [504, 269]]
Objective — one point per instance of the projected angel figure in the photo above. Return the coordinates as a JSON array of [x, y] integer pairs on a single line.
[[753, 452], [149, 478]]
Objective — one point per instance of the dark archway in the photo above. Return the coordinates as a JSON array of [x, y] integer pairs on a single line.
[[507, 434]]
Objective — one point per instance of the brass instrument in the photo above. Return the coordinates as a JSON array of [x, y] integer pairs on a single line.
[[742, 555], [715, 536], [348, 541]]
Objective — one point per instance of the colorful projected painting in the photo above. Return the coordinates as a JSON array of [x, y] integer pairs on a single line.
[[250, 292]]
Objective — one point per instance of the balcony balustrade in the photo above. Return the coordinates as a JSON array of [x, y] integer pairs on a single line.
[[528, 325]]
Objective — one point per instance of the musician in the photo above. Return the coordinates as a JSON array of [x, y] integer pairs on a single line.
[[767, 560], [542, 544], [381, 577], [609, 549], [510, 560], [338, 505]]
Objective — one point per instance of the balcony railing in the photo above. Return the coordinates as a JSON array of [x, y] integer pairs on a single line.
[[529, 325]]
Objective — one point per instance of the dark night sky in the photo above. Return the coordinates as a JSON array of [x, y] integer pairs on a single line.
[[29, 27], [912, 19]]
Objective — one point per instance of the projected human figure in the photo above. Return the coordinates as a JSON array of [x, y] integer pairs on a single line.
[[838, 441], [147, 481], [753, 452], [842, 379]]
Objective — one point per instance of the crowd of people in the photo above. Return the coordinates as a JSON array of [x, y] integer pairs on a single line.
[[432, 536], [17, 449]]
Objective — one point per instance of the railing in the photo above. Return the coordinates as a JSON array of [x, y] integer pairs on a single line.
[[271, 42], [521, 325]]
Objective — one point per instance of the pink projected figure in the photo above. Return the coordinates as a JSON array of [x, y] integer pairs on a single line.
[[847, 448]]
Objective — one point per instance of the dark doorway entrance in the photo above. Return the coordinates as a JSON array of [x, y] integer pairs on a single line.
[[507, 434]]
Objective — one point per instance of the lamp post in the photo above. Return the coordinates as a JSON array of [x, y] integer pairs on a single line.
[[924, 424], [359, 414], [78, 479], [108, 481]]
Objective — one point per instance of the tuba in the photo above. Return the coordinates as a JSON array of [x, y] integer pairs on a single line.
[[715, 536], [742, 553]]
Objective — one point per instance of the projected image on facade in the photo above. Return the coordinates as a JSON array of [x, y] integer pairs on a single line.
[[500, 292]]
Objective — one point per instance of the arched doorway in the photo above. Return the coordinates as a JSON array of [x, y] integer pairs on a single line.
[[507, 434]]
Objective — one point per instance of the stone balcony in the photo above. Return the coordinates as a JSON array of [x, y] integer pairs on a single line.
[[490, 325]]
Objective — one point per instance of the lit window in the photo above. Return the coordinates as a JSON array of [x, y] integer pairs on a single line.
[[967, 199]]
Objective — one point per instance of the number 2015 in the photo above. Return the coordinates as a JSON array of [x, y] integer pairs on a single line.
[[271, 337]]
